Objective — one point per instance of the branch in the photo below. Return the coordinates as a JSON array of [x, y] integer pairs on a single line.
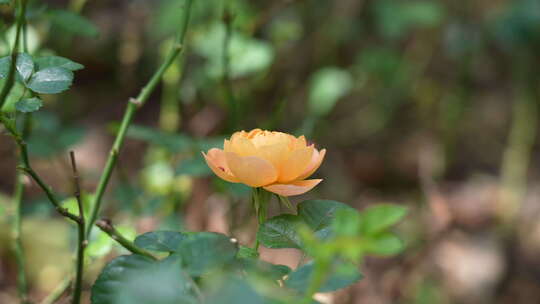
[[132, 107], [82, 242], [27, 168], [107, 227]]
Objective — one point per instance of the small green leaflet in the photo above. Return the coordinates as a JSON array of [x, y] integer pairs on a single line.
[[51, 80], [57, 61], [4, 66], [29, 105], [25, 66]]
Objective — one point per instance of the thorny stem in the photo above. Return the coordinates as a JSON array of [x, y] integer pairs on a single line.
[[132, 107], [10, 79], [81, 237], [18, 249], [107, 227]]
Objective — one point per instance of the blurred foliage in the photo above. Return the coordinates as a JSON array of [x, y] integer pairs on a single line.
[[407, 95]]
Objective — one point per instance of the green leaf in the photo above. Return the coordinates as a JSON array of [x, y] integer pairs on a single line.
[[341, 275], [25, 66], [57, 61], [385, 244], [319, 214], [4, 66], [247, 253], [205, 251], [163, 241], [246, 54], [347, 222], [232, 290], [378, 218], [72, 205], [327, 86], [73, 23], [280, 232], [29, 105], [99, 245], [137, 279], [5, 1], [51, 80]]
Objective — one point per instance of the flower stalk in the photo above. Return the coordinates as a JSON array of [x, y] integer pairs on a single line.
[[260, 199]]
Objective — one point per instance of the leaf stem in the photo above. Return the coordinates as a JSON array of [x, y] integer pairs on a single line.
[[317, 279], [10, 79], [107, 227], [132, 107]]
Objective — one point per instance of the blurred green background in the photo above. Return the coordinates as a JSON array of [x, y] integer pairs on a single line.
[[429, 104]]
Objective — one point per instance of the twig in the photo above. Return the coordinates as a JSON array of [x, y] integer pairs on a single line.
[[132, 107], [27, 168], [10, 80], [82, 242], [107, 227]]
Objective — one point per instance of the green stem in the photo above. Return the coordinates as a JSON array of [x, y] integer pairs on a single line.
[[10, 80], [18, 249], [130, 112], [81, 234], [107, 227], [317, 279], [260, 199]]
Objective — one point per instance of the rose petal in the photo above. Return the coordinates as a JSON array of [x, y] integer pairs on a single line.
[[295, 165], [217, 162], [294, 188], [243, 146], [251, 170], [275, 153], [316, 160]]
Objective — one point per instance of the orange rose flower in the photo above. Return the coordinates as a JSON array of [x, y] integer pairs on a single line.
[[276, 161]]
